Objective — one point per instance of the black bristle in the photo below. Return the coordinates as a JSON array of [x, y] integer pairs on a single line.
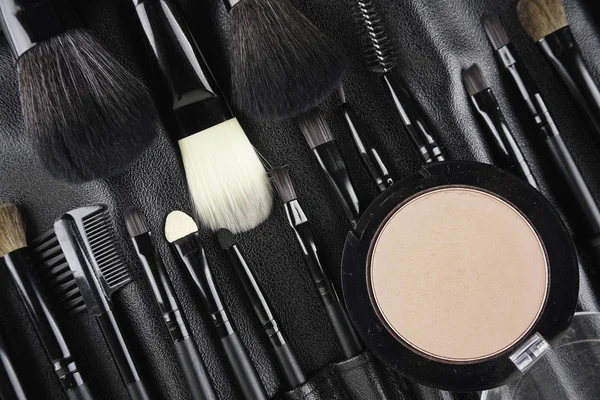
[[474, 80], [136, 222], [100, 236], [495, 31], [282, 65], [88, 116], [283, 183], [315, 128], [379, 50], [226, 239]]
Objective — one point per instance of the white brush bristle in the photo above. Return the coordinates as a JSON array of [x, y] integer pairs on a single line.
[[179, 225], [228, 183]]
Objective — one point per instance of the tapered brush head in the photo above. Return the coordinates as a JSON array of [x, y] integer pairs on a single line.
[[226, 239], [474, 80], [495, 31], [282, 65], [228, 184], [315, 129], [179, 225], [283, 183], [540, 18], [12, 229], [88, 117], [378, 48], [135, 221]]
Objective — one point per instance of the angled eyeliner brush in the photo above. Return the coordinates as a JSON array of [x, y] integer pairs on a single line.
[[293, 375], [186, 350]]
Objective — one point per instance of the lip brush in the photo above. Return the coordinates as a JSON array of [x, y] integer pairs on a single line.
[[10, 386], [186, 350]]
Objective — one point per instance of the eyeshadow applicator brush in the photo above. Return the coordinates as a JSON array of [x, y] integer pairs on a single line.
[[545, 22]]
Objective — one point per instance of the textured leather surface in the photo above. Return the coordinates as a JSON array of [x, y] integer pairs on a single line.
[[436, 38]]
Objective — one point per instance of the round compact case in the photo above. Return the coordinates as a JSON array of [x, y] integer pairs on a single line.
[[460, 277]]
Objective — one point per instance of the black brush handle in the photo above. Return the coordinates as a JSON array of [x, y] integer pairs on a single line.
[[347, 337], [245, 373], [10, 386], [291, 369], [332, 162], [561, 49], [122, 356], [81, 392], [194, 370]]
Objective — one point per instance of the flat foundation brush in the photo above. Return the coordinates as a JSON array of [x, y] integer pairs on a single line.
[[14, 251], [186, 350], [545, 22], [88, 117], [181, 231], [338, 316], [380, 56], [227, 182]]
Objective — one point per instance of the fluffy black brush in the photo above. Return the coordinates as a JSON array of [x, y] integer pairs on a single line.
[[282, 65], [88, 117]]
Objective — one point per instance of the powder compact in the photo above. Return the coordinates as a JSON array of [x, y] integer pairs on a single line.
[[461, 276]]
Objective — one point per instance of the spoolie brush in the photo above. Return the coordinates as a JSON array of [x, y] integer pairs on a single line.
[[380, 56], [546, 23], [281, 64], [87, 115]]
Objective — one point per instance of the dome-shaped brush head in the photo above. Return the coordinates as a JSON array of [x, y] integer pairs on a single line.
[[378, 48]]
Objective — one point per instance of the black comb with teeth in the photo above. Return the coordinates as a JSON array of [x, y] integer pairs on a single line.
[[80, 263]]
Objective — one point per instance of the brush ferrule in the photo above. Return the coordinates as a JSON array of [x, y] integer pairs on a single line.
[[29, 22]]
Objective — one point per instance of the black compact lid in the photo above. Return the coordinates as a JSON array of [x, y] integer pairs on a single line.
[[563, 283]]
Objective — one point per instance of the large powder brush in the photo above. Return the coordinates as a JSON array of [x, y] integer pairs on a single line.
[[88, 116]]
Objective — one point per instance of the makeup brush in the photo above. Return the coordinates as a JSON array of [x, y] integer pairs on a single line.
[[15, 253], [320, 139], [181, 231], [186, 350], [88, 117], [281, 64], [227, 182], [81, 250], [489, 113], [10, 386], [338, 316], [380, 55], [547, 131], [545, 22], [290, 368]]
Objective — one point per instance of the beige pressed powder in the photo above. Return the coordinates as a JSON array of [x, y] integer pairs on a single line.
[[458, 274]]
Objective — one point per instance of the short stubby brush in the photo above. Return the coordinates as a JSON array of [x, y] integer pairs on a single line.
[[87, 116], [282, 65]]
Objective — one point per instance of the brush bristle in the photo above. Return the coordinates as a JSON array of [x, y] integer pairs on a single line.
[[315, 129], [12, 229], [179, 225], [282, 65], [474, 80], [379, 50], [135, 221], [228, 184], [495, 31], [283, 183], [226, 239], [540, 18], [88, 116]]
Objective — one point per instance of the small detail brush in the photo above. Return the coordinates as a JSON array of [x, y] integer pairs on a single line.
[[181, 231], [290, 368], [488, 110], [545, 22], [338, 316], [88, 116], [281, 64], [83, 241], [547, 130], [15, 253], [10, 386], [228, 184], [369, 153], [380, 55], [186, 350], [320, 139]]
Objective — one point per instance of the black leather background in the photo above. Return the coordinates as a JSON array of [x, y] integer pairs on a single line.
[[437, 38]]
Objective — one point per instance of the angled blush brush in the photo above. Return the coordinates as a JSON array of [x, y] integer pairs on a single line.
[[228, 184]]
